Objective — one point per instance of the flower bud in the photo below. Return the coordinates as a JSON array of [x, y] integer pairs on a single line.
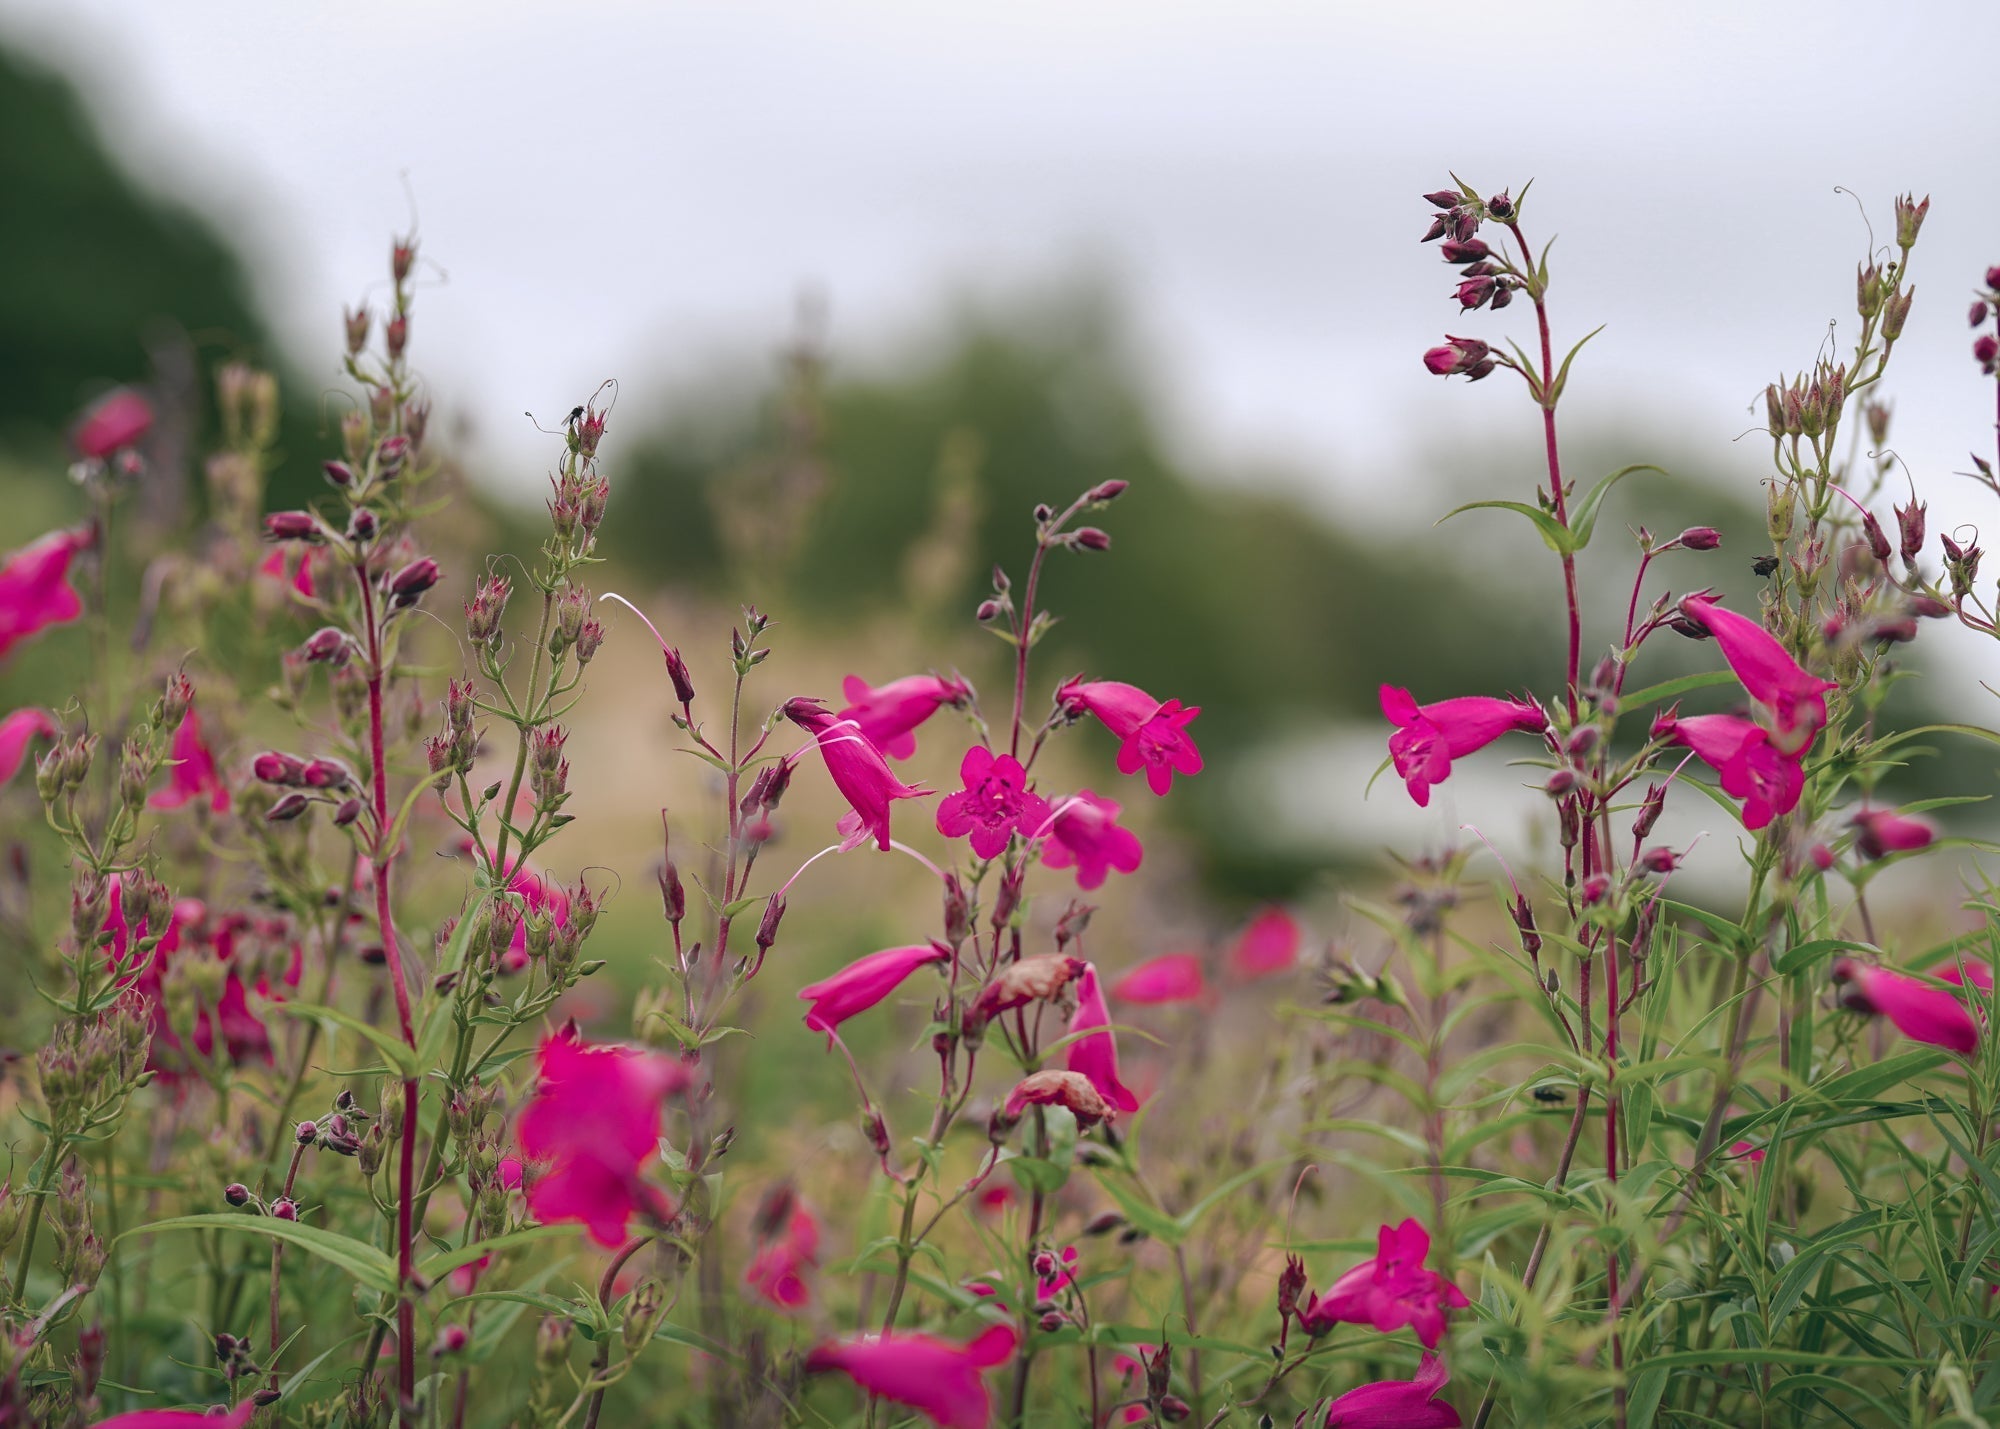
[[1089, 538], [236, 1193], [1649, 810], [677, 672], [275, 768], [408, 584], [1910, 219], [362, 525], [293, 526], [1699, 538], [767, 930], [285, 1208], [329, 774], [451, 1340], [1878, 540], [396, 334], [339, 473], [356, 322], [1896, 313], [327, 646], [1464, 250], [1105, 491]]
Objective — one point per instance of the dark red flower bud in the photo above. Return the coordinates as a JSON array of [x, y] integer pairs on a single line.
[[288, 808], [327, 774], [1501, 206], [1910, 526], [1878, 539], [274, 768], [327, 646], [774, 913], [236, 1193], [339, 473], [1649, 810], [1993, 278], [1474, 293], [293, 526], [347, 813], [1977, 315], [677, 672], [1457, 355], [1658, 859], [1444, 198], [1469, 250], [1108, 490], [1699, 538], [285, 1208], [1092, 539], [413, 580], [1985, 350], [1440, 226]]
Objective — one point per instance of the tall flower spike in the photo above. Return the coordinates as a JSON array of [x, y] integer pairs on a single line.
[[1095, 1054], [1794, 699], [34, 587], [858, 771], [1154, 734], [889, 714], [1429, 737]]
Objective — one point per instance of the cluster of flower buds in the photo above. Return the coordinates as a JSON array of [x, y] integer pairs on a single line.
[[575, 627], [577, 507], [451, 753], [65, 768], [1961, 564], [1806, 407], [1986, 347], [89, 1063], [548, 770], [1000, 603], [233, 1357], [485, 613], [767, 791], [80, 1254]]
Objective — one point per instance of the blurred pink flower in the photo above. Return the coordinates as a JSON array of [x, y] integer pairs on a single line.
[[1155, 735], [1794, 699], [858, 770], [34, 587], [1096, 1055], [244, 1036], [1978, 973], [1083, 833], [274, 567], [1919, 1011], [993, 805], [940, 1380], [1429, 737], [192, 775], [181, 1418], [1171, 977], [118, 419], [1768, 781], [595, 1119], [1270, 944], [1747, 1151], [1061, 1275], [777, 1273], [1397, 1403], [863, 983], [19, 730], [1881, 832], [1390, 1291], [889, 714]]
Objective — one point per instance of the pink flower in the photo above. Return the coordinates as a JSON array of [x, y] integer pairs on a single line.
[[1747, 1151], [863, 983], [595, 1118], [1976, 974], [776, 1274], [858, 770], [1458, 355], [940, 1380], [1390, 1291], [1753, 769], [1880, 832], [1397, 1403], [1429, 737], [1083, 833], [1269, 945], [119, 419], [1154, 734], [244, 1036], [1096, 1055], [1795, 700], [273, 567], [1061, 1275], [192, 775], [34, 587], [17, 732], [1919, 1011], [181, 1418], [889, 714], [994, 803], [1171, 977], [538, 893]]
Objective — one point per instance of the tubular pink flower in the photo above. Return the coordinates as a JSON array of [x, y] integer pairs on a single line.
[[1083, 833], [1171, 977], [1977, 974], [181, 1418], [1881, 832], [777, 1273], [1794, 699], [940, 1380], [244, 1036], [1390, 1291], [595, 1119], [1061, 1276], [889, 714], [863, 983], [34, 587], [858, 771], [192, 774], [19, 730], [1429, 737], [119, 419], [1269, 945], [1752, 769], [273, 567], [1096, 1055], [1397, 1403], [1919, 1011], [993, 805], [1155, 735]]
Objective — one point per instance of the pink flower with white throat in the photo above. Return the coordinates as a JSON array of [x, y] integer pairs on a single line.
[[994, 804], [889, 714], [858, 771], [1154, 734], [1429, 737]]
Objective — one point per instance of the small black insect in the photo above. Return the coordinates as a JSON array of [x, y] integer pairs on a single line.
[[1554, 1095], [1765, 566], [575, 416]]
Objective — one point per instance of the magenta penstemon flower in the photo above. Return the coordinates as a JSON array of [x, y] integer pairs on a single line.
[[1877, 832], [193, 774], [1397, 1403], [1429, 737], [858, 770], [180, 1418], [17, 732], [777, 1272], [1083, 833], [35, 591], [1794, 700], [1154, 734], [1095, 1054], [940, 1380], [119, 419], [1919, 1011], [863, 983], [594, 1120], [1171, 977], [1392, 1290], [1752, 768], [993, 805], [889, 714], [1269, 945]]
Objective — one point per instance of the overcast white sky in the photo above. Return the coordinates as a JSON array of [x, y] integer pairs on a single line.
[[634, 188]]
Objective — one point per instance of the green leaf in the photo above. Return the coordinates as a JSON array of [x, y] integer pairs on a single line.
[[1562, 373], [445, 1262], [369, 1266], [1140, 1210], [1553, 534], [399, 1054], [1673, 689], [1801, 956], [1035, 1174], [1583, 520]]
